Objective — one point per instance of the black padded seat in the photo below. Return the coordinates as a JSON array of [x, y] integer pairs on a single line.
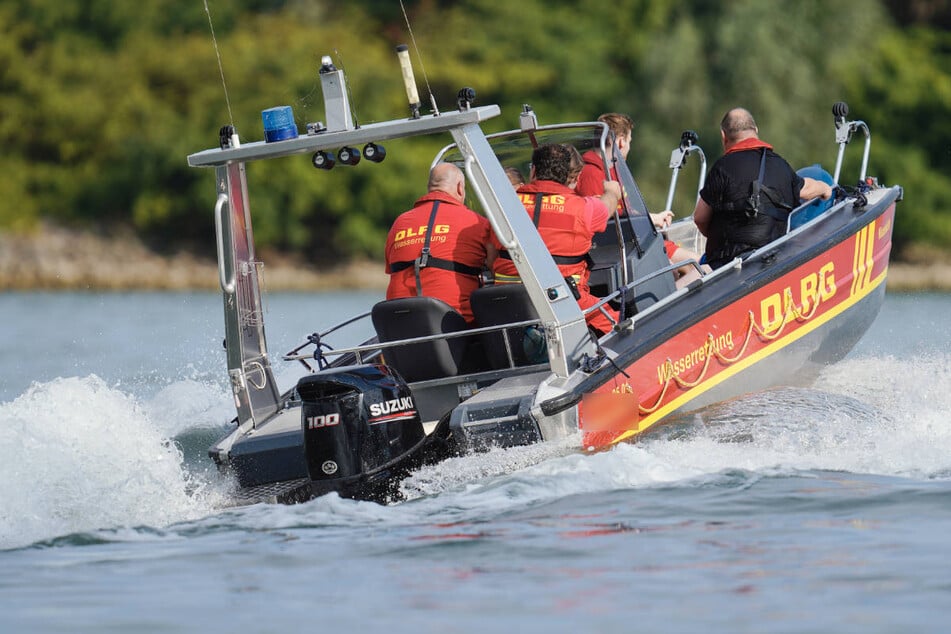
[[409, 317], [606, 266], [501, 304]]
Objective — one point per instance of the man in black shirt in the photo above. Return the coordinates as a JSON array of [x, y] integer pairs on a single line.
[[748, 193]]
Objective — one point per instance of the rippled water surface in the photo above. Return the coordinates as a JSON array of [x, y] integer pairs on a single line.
[[793, 510]]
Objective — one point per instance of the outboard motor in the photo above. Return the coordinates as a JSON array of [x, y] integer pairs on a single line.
[[360, 426]]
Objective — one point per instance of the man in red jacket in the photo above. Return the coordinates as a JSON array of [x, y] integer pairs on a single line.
[[439, 247], [566, 223], [593, 174]]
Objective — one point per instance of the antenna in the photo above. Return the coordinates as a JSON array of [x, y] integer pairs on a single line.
[[232, 136], [432, 98]]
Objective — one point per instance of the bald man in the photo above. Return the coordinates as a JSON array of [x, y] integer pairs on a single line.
[[724, 214], [457, 238]]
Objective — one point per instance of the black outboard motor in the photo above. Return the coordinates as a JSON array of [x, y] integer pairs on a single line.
[[361, 429]]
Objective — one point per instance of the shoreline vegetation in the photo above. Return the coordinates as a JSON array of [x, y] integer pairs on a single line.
[[97, 127], [56, 258]]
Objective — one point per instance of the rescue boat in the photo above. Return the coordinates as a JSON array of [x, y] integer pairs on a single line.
[[363, 417]]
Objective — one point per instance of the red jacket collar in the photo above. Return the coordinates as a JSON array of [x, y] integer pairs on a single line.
[[437, 195], [749, 144], [545, 187], [592, 157]]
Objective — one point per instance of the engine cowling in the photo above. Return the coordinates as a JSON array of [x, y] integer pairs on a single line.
[[358, 422]]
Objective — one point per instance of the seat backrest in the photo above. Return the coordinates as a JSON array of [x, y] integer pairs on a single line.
[[409, 317], [504, 304], [806, 212], [654, 288], [606, 266]]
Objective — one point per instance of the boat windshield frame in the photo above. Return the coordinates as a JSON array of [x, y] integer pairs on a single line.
[[513, 148]]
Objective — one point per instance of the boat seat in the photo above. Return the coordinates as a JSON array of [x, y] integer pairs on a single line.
[[606, 267], [409, 317], [501, 304]]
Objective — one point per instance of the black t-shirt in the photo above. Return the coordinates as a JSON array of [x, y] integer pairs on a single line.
[[731, 232]]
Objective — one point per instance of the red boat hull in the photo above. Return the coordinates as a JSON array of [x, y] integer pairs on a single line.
[[782, 329]]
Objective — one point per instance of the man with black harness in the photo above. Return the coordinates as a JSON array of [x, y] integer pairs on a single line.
[[439, 247], [749, 192]]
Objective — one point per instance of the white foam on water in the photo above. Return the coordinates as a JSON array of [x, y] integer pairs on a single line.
[[77, 455], [461, 471], [877, 416], [871, 416], [189, 404], [913, 437]]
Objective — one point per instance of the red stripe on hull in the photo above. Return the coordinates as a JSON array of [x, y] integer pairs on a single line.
[[752, 328]]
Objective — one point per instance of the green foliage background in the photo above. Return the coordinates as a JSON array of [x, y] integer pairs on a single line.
[[102, 101]]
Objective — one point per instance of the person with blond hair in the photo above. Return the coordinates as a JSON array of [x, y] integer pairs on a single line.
[[594, 171]]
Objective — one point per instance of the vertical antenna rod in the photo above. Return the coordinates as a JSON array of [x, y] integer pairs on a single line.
[[432, 98], [221, 71]]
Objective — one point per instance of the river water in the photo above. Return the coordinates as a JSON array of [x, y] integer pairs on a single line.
[[794, 510]]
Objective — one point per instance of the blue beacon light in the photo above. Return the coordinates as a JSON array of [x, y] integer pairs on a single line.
[[279, 124]]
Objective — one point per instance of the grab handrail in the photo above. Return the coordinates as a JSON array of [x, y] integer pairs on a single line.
[[843, 135], [678, 158], [226, 285], [402, 342]]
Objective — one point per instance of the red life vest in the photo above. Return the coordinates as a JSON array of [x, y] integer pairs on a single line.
[[563, 225], [592, 177], [456, 239]]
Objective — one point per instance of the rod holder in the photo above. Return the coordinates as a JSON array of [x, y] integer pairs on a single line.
[[409, 80]]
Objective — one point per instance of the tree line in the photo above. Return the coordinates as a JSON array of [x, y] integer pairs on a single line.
[[101, 101]]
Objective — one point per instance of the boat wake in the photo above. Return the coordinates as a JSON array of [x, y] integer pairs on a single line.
[[85, 462], [875, 416], [878, 416], [78, 455]]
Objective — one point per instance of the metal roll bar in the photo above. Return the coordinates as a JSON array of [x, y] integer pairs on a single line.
[[843, 134], [678, 158]]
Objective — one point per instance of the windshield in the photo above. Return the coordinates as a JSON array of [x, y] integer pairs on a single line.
[[514, 151]]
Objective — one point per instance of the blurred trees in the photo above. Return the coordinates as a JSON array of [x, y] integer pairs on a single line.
[[101, 102]]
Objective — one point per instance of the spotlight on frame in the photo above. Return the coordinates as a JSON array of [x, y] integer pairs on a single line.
[[374, 152], [348, 155], [323, 160]]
